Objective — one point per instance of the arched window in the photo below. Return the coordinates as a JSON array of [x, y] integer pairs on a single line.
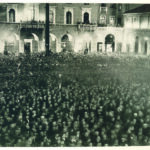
[[68, 17], [11, 15], [86, 18], [51, 16]]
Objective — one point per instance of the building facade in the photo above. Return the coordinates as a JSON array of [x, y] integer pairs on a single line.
[[73, 27], [137, 29]]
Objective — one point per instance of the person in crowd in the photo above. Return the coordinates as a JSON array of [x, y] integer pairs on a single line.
[[37, 111]]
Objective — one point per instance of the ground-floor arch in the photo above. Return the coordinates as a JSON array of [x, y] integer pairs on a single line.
[[53, 43], [31, 43], [110, 43], [67, 43], [11, 44]]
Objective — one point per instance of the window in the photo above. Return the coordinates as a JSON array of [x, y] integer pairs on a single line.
[[112, 20], [113, 6], [127, 7], [51, 16], [86, 18], [86, 15], [68, 17], [11, 15], [134, 19], [103, 10], [102, 19], [103, 5], [119, 7]]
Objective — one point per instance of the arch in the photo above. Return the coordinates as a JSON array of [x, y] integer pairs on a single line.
[[66, 42], [35, 37], [11, 15], [16, 36], [86, 18], [110, 43], [68, 17], [66, 37], [53, 37], [12, 43], [109, 38], [53, 42], [12, 38]]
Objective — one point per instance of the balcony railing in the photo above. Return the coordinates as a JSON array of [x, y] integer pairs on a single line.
[[32, 24], [87, 27]]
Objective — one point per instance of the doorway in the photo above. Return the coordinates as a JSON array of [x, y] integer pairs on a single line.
[[110, 43], [145, 48], [27, 48]]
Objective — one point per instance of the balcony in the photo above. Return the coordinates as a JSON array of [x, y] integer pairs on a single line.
[[87, 27], [32, 24]]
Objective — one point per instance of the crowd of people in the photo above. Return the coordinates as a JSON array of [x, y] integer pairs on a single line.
[[38, 107]]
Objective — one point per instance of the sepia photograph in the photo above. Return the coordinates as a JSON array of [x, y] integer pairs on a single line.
[[74, 74]]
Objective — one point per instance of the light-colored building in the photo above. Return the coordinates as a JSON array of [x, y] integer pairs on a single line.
[[74, 27], [137, 29]]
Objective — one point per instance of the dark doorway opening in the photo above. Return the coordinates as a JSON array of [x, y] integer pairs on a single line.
[[145, 48], [99, 47], [27, 48], [136, 49], [66, 44], [110, 43]]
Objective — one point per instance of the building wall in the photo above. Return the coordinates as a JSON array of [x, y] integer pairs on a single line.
[[81, 36]]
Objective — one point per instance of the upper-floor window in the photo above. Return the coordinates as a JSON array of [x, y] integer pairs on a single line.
[[68, 15], [127, 7], [86, 15], [86, 4], [11, 15], [102, 19], [68, 18], [52, 15], [112, 20], [103, 5], [113, 6], [86, 18], [134, 19], [119, 7], [103, 9]]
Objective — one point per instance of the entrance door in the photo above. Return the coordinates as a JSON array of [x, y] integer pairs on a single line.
[[145, 48], [27, 48], [66, 44], [110, 43], [99, 47], [136, 49]]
